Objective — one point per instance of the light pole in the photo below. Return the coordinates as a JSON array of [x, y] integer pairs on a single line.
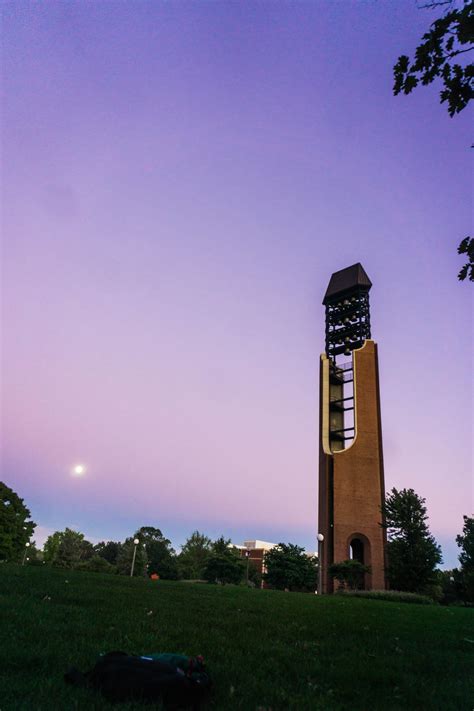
[[247, 555], [320, 563], [27, 545], [135, 543]]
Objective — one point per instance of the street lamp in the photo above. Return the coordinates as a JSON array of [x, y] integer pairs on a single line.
[[320, 563], [27, 545], [247, 555], [135, 543]]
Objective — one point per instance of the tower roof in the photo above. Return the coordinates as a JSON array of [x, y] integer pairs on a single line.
[[346, 280]]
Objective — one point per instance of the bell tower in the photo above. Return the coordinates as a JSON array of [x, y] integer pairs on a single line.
[[351, 478]]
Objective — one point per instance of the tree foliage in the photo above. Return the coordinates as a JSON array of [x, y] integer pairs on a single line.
[[349, 574], [125, 558], [448, 37], [16, 526], [465, 541], [448, 40], [194, 555], [467, 247], [412, 551], [160, 554], [96, 564], [108, 551], [33, 555], [288, 567], [51, 547], [66, 549], [224, 564]]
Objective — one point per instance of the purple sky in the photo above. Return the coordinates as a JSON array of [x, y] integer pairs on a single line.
[[180, 180]]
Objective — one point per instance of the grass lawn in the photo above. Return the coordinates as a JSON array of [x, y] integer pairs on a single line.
[[264, 649]]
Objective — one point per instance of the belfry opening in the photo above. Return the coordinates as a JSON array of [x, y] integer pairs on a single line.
[[351, 477]]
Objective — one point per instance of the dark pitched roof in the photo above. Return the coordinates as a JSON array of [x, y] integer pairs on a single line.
[[345, 280]]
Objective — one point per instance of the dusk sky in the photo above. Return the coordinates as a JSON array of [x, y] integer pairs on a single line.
[[180, 179]]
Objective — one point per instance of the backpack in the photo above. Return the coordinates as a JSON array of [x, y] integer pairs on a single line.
[[178, 681]]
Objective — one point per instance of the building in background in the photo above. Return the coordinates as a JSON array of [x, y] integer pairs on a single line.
[[255, 551], [351, 476]]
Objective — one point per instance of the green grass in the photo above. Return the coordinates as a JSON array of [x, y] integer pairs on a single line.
[[265, 649]]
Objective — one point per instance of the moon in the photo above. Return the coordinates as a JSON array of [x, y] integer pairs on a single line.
[[79, 470]]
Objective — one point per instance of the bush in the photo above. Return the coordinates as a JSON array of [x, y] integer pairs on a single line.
[[96, 564], [389, 596], [434, 591], [349, 574]]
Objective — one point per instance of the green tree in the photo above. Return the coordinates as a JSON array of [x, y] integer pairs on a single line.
[[288, 567], [161, 556], [16, 526], [412, 552], [465, 541], [224, 564], [51, 547], [67, 548], [108, 551], [125, 557], [438, 56], [349, 574], [194, 555]]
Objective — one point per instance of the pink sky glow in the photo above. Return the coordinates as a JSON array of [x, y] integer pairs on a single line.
[[180, 180]]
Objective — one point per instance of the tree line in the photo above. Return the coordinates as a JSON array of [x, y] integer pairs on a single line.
[[412, 554]]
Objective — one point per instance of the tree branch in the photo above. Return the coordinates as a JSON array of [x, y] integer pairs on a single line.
[[458, 51], [431, 5]]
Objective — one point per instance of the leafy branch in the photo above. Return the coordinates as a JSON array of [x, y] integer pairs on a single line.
[[447, 38], [467, 247]]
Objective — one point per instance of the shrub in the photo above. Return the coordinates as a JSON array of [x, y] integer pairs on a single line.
[[96, 564], [389, 596], [349, 573], [434, 591]]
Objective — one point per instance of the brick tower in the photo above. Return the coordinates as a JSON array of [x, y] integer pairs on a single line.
[[351, 478]]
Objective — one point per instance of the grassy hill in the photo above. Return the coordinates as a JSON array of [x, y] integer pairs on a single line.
[[265, 650]]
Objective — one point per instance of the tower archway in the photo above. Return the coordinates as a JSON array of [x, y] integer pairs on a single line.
[[358, 548]]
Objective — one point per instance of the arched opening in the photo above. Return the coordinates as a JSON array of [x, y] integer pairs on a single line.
[[356, 550], [359, 549]]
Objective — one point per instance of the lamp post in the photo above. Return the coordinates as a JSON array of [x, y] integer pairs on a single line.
[[27, 545], [320, 563], [247, 555], [135, 543]]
